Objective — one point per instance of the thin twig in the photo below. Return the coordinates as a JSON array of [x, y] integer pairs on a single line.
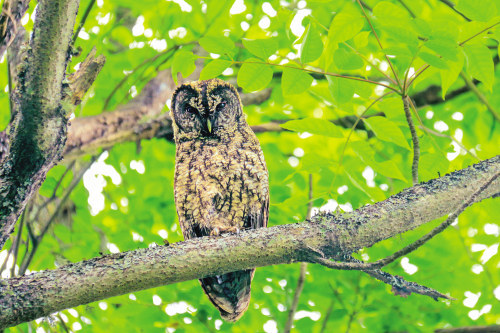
[[36, 240], [407, 9], [413, 246], [400, 286], [14, 248], [17, 241], [134, 70], [63, 324], [428, 130], [359, 118], [310, 195], [296, 296], [418, 73], [303, 267], [82, 22], [480, 96], [452, 6], [370, 63], [327, 316], [53, 195], [414, 137], [380, 45], [315, 71]]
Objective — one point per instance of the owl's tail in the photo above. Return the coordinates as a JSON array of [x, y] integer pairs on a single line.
[[230, 293]]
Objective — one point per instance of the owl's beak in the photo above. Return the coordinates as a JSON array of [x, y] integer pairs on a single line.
[[209, 125]]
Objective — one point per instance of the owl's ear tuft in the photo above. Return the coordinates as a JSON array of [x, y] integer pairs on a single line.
[[183, 90]]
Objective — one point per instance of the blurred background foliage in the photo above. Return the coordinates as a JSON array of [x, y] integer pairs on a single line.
[[122, 198]]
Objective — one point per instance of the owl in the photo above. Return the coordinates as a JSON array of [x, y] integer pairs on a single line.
[[221, 179]]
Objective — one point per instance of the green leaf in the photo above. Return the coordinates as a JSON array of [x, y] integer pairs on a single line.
[[214, 68], [262, 48], [450, 75], [389, 12], [314, 126], [344, 26], [254, 76], [218, 45], [123, 35], [367, 154], [433, 60], [480, 64], [312, 46], [361, 39], [295, 81], [347, 60], [483, 10], [387, 130], [184, 63], [444, 47], [393, 108], [342, 90]]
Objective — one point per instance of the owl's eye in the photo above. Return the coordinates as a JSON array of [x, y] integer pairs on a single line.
[[189, 109], [221, 105]]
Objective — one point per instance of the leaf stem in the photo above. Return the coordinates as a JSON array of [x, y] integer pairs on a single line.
[[303, 267], [414, 137], [316, 72], [480, 96], [380, 45], [82, 22]]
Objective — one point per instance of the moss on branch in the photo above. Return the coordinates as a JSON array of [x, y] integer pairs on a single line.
[[333, 236], [38, 131]]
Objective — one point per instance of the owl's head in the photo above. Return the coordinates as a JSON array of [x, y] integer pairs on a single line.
[[205, 109]]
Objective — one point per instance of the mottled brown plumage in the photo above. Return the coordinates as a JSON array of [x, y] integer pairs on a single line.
[[221, 180]]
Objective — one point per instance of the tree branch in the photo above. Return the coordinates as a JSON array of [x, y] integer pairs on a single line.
[[470, 329], [38, 132], [39, 294], [414, 138], [10, 21]]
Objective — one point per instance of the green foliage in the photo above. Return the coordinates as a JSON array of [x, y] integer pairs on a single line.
[[327, 73]]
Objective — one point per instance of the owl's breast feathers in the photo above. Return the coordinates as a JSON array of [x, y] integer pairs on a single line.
[[221, 185]]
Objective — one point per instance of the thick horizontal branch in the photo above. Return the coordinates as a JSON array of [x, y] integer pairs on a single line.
[[329, 235]]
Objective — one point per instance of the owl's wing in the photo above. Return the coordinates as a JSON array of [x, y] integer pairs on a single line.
[[258, 219]]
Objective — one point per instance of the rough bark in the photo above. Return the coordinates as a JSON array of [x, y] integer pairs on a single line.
[[38, 131], [327, 235], [10, 21]]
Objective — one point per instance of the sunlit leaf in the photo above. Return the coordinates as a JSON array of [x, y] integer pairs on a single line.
[[314, 126], [483, 12], [450, 75], [480, 63], [433, 60], [214, 68], [347, 60], [342, 90], [387, 168], [312, 46], [183, 63], [295, 81], [344, 26], [386, 130], [218, 45], [254, 76], [262, 48]]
